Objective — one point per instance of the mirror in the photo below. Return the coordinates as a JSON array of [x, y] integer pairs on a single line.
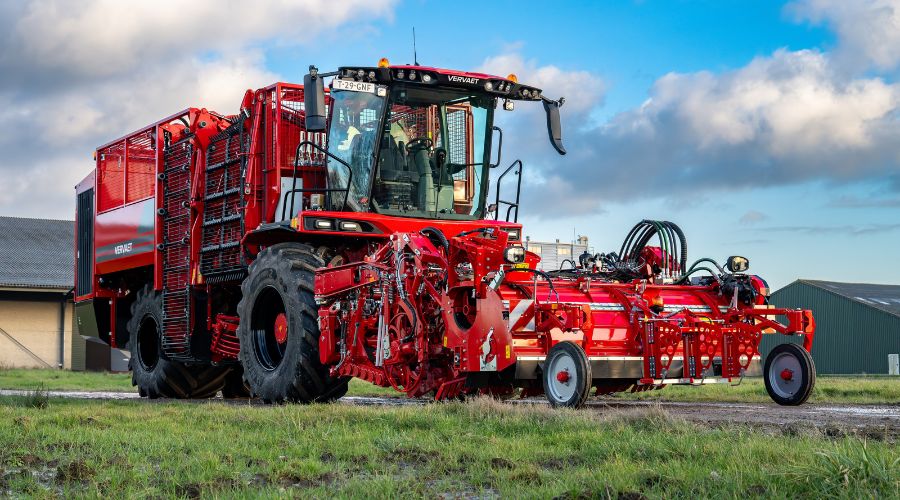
[[553, 126], [314, 101], [737, 264]]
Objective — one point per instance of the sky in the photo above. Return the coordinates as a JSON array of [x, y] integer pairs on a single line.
[[765, 129]]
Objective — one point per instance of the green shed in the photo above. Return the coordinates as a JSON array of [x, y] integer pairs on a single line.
[[857, 324]]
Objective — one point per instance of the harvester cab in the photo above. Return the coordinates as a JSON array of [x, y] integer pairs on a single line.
[[413, 141]]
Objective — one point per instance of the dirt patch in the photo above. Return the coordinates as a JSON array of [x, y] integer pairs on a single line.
[[757, 490], [304, 482], [556, 463], [75, 471], [651, 480], [501, 463], [190, 490], [832, 421], [411, 455]]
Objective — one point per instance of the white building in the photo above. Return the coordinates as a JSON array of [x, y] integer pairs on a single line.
[[553, 255]]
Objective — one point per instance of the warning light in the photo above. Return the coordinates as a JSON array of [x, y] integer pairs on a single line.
[[383, 62], [513, 78]]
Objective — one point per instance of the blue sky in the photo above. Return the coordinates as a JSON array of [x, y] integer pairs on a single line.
[[767, 129]]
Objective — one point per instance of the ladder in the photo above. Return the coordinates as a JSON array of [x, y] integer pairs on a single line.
[[175, 219], [221, 258]]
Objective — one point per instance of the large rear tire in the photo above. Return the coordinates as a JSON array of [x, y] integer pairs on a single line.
[[155, 376], [789, 374], [279, 331]]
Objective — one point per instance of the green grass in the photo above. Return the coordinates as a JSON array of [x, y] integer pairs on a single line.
[[479, 448], [65, 380], [829, 389]]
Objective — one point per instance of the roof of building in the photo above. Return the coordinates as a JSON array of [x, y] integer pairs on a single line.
[[36, 253], [883, 297]]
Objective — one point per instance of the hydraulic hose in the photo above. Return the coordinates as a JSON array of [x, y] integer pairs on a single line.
[[685, 276], [627, 241], [683, 239]]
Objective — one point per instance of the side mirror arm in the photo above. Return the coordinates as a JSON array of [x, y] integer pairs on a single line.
[[554, 128]]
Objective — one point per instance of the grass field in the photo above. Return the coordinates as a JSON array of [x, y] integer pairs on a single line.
[[459, 450], [829, 390]]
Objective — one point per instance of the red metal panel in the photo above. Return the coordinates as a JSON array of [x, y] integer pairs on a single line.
[[140, 176], [111, 176], [124, 237]]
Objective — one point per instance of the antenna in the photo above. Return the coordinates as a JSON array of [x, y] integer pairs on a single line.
[[415, 57]]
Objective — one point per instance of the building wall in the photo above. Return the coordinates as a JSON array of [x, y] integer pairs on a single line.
[[851, 338], [553, 254], [35, 325]]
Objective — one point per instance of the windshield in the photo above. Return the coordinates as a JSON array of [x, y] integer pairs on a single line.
[[351, 137], [432, 161]]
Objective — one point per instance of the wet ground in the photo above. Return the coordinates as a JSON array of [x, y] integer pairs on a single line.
[[870, 421]]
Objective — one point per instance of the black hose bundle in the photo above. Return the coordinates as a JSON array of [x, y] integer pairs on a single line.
[[671, 238], [629, 264]]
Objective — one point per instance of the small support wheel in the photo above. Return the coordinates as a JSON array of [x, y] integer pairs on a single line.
[[789, 374], [567, 376]]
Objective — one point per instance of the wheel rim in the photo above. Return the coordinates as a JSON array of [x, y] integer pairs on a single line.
[[562, 378], [785, 375], [269, 327], [148, 343]]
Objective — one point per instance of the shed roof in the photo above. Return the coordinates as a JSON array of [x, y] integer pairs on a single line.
[[36, 253], [882, 297]]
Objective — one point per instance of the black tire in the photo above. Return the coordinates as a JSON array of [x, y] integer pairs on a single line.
[[235, 386], [155, 376], [338, 390], [794, 388], [281, 282], [572, 392]]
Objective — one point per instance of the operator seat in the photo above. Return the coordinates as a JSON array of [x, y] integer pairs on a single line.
[[395, 182]]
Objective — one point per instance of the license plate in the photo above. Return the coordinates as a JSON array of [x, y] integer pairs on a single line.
[[521, 265], [353, 85]]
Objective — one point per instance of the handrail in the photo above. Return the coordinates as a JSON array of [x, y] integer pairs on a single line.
[[319, 190], [511, 204], [499, 147]]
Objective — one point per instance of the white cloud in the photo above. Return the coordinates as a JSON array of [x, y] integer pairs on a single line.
[[107, 37], [791, 104], [868, 30], [786, 118], [583, 90], [75, 76]]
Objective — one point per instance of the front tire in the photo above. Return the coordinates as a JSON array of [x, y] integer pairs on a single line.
[[155, 376], [279, 330], [789, 374], [567, 376]]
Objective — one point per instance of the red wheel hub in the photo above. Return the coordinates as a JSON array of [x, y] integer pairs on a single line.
[[281, 328], [562, 376], [787, 374]]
